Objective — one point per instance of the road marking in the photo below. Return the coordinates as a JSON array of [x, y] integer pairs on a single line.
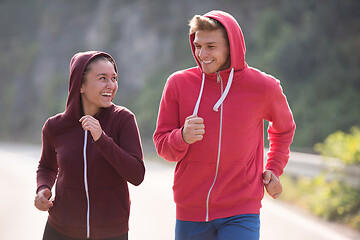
[[301, 221]]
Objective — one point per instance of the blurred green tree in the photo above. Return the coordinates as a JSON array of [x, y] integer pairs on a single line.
[[314, 49]]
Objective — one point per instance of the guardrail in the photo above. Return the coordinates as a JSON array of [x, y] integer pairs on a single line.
[[311, 165]]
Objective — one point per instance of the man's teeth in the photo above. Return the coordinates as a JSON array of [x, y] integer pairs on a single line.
[[206, 62]]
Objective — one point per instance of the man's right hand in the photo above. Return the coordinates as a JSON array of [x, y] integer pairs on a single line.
[[42, 201], [193, 129]]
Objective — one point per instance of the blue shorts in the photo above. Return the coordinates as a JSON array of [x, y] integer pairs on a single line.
[[239, 227]]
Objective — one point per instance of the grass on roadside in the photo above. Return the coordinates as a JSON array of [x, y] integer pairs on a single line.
[[331, 200]]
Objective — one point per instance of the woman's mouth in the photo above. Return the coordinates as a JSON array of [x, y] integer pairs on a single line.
[[105, 94]]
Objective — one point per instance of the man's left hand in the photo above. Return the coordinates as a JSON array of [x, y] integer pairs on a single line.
[[272, 184]]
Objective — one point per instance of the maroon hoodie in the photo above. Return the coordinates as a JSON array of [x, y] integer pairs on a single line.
[[91, 193]]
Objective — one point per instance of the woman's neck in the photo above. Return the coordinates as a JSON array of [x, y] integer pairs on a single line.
[[92, 111]]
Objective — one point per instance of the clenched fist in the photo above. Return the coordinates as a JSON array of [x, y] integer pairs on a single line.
[[193, 129], [42, 201]]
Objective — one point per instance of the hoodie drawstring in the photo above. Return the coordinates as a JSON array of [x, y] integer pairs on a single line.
[[196, 109], [86, 188], [223, 95], [227, 88]]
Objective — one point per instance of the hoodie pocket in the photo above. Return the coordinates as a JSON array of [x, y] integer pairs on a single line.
[[232, 185], [192, 183], [69, 208], [107, 208]]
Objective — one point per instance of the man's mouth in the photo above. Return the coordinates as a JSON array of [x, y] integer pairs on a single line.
[[207, 62]]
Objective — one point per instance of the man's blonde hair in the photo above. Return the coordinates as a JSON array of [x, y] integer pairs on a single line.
[[201, 23]]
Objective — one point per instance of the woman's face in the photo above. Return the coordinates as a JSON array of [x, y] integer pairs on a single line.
[[99, 87]]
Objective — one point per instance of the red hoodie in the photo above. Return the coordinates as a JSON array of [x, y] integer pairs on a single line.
[[221, 175], [91, 195]]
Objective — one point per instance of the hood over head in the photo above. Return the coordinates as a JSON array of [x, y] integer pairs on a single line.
[[235, 36], [78, 64], [237, 52]]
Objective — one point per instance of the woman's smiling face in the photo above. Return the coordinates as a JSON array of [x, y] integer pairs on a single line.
[[99, 87]]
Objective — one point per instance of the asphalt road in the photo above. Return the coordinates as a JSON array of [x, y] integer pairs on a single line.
[[153, 210]]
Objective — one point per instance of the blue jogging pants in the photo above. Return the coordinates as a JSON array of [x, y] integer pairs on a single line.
[[239, 227]]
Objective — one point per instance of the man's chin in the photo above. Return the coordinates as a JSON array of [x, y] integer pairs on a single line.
[[208, 70]]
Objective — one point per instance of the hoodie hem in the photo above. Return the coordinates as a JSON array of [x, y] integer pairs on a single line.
[[199, 214], [96, 232]]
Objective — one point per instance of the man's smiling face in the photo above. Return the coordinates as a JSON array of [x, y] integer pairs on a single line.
[[212, 50]]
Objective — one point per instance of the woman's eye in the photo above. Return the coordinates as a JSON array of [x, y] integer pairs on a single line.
[[114, 79]]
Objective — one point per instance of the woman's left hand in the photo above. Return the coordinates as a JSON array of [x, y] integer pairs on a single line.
[[92, 124]]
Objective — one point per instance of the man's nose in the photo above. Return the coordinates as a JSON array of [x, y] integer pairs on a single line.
[[202, 53]]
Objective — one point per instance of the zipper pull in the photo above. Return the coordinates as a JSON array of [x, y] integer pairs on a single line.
[[218, 77]]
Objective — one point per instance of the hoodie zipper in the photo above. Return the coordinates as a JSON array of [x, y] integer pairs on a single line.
[[219, 80], [86, 187]]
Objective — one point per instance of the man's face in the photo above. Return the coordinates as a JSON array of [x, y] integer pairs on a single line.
[[212, 50]]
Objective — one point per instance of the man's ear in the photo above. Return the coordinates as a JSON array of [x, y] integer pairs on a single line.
[[81, 89]]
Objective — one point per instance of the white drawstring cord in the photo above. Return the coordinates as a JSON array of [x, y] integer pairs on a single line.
[[86, 188], [196, 109], [223, 96]]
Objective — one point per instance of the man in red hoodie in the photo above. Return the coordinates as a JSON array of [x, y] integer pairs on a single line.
[[211, 123]]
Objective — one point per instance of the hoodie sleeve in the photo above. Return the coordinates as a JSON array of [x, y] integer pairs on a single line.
[[168, 136], [280, 132], [48, 167], [127, 157]]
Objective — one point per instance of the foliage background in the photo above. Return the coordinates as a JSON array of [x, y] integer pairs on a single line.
[[312, 46], [335, 193]]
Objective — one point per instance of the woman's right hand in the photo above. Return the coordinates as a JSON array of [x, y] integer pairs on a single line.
[[42, 201]]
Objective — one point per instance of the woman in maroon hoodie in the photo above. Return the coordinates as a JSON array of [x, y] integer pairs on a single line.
[[91, 151]]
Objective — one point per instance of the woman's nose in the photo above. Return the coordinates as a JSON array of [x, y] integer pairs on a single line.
[[111, 84]]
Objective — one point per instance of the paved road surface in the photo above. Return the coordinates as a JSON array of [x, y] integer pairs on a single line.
[[153, 210]]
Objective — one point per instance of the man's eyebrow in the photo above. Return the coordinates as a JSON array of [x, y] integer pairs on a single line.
[[206, 42]]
